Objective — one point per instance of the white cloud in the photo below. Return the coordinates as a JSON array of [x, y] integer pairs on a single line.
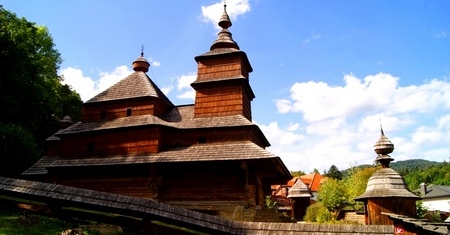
[[314, 36], [184, 86], [88, 87], [234, 9], [341, 124], [154, 62], [74, 77], [320, 101], [281, 136], [441, 34], [167, 89]]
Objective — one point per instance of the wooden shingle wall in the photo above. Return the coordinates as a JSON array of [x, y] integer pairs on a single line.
[[213, 69], [222, 101], [126, 141], [178, 138], [402, 206], [93, 111]]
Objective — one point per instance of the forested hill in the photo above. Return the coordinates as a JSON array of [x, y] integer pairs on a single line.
[[417, 171], [403, 167]]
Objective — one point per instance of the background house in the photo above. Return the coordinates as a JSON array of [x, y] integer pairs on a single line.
[[436, 198]]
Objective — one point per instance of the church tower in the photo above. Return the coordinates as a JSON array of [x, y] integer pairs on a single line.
[[222, 85], [386, 190]]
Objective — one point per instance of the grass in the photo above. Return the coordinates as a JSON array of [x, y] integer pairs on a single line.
[[18, 222], [15, 222]]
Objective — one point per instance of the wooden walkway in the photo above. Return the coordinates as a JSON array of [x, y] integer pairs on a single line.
[[142, 213]]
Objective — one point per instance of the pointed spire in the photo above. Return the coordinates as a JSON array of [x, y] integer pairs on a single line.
[[141, 64], [383, 147], [224, 39]]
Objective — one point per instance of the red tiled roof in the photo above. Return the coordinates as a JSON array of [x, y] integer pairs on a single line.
[[313, 181]]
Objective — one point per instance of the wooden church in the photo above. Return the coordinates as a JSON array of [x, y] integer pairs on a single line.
[[208, 156]]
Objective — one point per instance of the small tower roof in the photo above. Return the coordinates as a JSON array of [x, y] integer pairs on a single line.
[[299, 189], [385, 182], [224, 39], [141, 64]]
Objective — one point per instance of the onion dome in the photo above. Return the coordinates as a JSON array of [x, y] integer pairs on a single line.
[[65, 122], [386, 183], [141, 64], [224, 39], [383, 147], [299, 189]]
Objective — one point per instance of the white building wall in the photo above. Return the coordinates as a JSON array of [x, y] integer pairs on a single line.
[[440, 204]]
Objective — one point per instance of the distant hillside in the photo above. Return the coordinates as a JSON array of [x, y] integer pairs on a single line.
[[403, 167], [406, 166]]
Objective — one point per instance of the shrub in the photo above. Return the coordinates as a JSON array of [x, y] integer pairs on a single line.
[[318, 213]]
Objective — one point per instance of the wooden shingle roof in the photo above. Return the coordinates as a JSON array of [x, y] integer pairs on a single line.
[[386, 183], [181, 117], [39, 168], [137, 84], [222, 151]]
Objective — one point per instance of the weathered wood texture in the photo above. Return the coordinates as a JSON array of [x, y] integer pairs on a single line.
[[58, 196], [116, 109], [299, 207], [213, 69], [222, 101], [199, 181], [399, 205], [131, 140], [355, 217], [404, 225], [178, 138]]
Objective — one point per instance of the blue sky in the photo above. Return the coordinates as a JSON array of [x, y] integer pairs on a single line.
[[326, 73]]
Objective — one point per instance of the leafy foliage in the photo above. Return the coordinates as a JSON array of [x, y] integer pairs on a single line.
[[32, 95], [318, 213], [356, 184], [18, 149], [333, 195], [333, 173], [404, 167], [297, 173], [437, 175], [421, 210]]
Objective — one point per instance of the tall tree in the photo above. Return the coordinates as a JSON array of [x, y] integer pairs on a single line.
[[333, 172], [31, 94], [333, 195]]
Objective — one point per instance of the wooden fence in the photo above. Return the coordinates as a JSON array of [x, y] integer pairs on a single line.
[[149, 214]]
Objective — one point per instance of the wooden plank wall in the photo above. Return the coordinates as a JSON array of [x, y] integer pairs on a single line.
[[130, 180], [117, 109], [219, 68], [180, 138], [114, 142], [396, 205], [220, 101], [222, 181], [92, 112]]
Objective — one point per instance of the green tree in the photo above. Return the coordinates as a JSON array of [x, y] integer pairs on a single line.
[[318, 213], [333, 195], [356, 184], [333, 172], [15, 143], [297, 173], [31, 94]]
